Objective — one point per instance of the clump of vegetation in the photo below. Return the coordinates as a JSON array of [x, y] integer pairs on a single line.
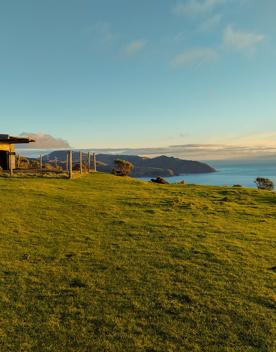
[[122, 167], [34, 164], [76, 166], [264, 183], [160, 180], [22, 162], [48, 167]]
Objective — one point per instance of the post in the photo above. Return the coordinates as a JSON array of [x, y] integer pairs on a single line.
[[41, 164], [94, 162], [70, 162], [88, 161], [81, 162], [67, 162], [10, 163], [18, 161]]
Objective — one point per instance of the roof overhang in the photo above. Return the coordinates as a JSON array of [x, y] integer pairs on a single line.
[[6, 139]]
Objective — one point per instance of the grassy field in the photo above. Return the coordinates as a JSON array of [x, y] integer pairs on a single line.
[[101, 263]]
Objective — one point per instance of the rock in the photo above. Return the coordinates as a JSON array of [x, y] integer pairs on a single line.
[[159, 180]]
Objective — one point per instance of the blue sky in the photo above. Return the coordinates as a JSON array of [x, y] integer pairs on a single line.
[[147, 73]]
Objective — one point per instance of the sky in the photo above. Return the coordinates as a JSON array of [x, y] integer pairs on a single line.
[[139, 74]]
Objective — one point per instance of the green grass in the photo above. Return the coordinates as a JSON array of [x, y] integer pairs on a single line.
[[103, 263]]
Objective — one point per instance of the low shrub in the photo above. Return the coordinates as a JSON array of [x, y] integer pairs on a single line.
[[264, 183], [159, 180], [122, 167]]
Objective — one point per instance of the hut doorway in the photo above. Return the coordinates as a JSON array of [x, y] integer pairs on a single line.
[[4, 160]]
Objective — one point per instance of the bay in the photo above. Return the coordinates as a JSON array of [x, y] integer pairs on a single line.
[[231, 173]]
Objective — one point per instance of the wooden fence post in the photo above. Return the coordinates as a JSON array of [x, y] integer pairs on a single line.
[[94, 162], [70, 162], [67, 162], [88, 161], [81, 162], [18, 161], [10, 163], [41, 164]]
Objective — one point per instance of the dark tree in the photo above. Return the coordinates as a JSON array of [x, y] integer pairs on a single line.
[[122, 167], [264, 183]]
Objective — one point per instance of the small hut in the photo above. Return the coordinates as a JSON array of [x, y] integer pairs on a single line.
[[7, 150]]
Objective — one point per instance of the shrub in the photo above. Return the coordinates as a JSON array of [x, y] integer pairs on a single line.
[[122, 167], [264, 183], [22, 162], [34, 164], [160, 180], [76, 166], [48, 166]]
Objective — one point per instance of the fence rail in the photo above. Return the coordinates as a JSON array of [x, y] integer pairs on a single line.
[[82, 163]]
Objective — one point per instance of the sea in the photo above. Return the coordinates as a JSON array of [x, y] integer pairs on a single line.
[[231, 172], [228, 172]]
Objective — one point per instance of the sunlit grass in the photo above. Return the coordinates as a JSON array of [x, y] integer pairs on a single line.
[[102, 263]]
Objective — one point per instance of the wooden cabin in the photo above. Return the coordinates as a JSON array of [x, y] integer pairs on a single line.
[[7, 150]]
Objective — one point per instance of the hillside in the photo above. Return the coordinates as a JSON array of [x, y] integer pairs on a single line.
[[102, 263], [143, 167]]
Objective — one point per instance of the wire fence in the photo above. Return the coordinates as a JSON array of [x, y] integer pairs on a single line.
[[66, 163]]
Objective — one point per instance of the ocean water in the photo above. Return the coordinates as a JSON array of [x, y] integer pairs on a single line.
[[230, 173]]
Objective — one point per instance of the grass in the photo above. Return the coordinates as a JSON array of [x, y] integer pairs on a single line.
[[103, 263]]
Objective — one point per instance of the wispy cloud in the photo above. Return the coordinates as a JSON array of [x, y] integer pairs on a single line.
[[210, 23], [195, 56], [44, 141], [200, 151], [195, 7], [134, 47], [261, 139], [103, 34], [238, 40]]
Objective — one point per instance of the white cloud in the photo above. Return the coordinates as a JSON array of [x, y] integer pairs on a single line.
[[195, 7], [238, 40], [44, 141], [194, 56], [134, 47]]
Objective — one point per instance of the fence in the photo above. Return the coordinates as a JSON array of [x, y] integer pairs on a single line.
[[68, 164]]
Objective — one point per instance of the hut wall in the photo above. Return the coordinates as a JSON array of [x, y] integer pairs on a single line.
[[5, 162]]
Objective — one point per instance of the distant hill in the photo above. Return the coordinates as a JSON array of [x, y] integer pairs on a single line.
[[143, 167]]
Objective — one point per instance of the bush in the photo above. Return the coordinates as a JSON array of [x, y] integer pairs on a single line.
[[34, 164], [264, 183], [160, 180], [22, 162], [48, 167], [122, 167], [76, 166]]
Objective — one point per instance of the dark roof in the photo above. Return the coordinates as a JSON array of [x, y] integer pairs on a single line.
[[6, 139]]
